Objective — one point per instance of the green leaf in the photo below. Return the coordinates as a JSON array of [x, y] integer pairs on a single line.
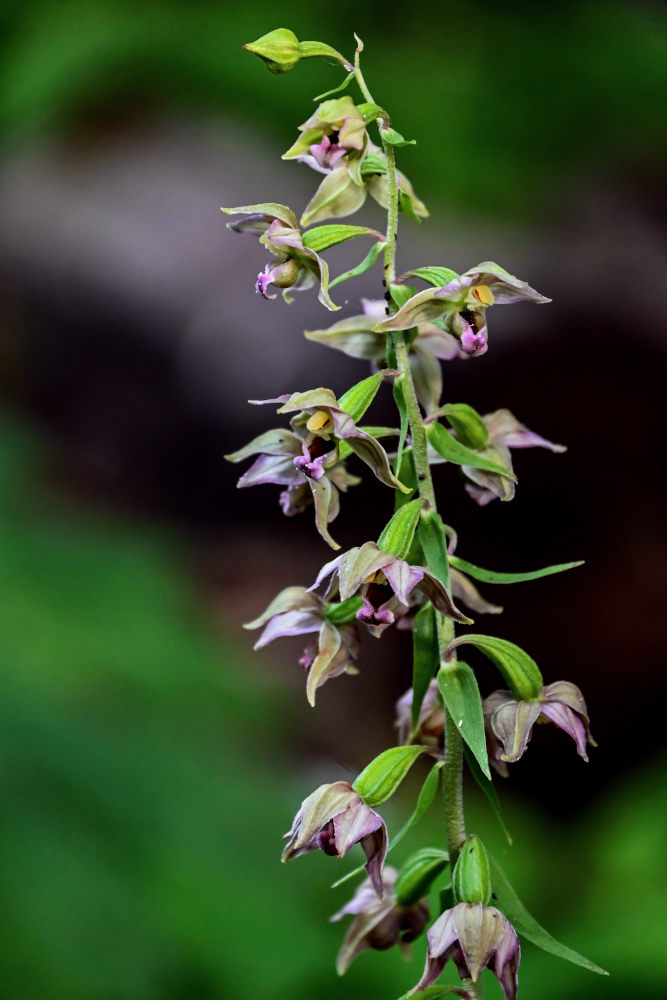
[[490, 576], [426, 658], [361, 268], [406, 473], [517, 667], [370, 111], [434, 543], [467, 423], [344, 612], [322, 237], [379, 780], [436, 276], [395, 138], [424, 802], [335, 90], [402, 407], [357, 399], [462, 699], [489, 789], [452, 450], [528, 927], [397, 535], [401, 293], [418, 874]]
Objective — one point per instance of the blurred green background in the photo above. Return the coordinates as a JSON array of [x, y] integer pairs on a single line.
[[149, 762]]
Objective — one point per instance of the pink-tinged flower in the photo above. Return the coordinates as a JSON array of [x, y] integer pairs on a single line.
[[379, 923], [297, 611], [310, 472], [431, 725], [505, 432], [461, 305], [509, 722], [475, 937], [335, 818], [386, 584], [298, 266]]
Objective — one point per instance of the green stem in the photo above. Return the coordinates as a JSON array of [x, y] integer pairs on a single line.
[[452, 772]]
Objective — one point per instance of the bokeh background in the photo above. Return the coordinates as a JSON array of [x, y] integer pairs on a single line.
[[149, 762]]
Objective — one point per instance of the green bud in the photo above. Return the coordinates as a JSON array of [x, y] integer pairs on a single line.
[[380, 779], [472, 875], [280, 50], [418, 875], [468, 424]]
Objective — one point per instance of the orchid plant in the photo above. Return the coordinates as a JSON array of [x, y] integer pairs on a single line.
[[410, 577]]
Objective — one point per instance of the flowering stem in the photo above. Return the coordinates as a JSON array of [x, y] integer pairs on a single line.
[[452, 772]]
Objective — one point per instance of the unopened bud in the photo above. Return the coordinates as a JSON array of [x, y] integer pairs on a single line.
[[472, 876], [279, 49]]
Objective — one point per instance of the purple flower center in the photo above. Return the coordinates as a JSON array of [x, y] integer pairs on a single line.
[[326, 839]]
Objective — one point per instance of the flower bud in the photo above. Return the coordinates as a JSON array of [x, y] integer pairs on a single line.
[[279, 49], [472, 877], [418, 874]]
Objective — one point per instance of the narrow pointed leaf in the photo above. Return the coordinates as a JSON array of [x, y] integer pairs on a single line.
[[397, 535], [467, 423], [436, 276], [426, 658], [365, 265], [400, 294], [418, 874], [359, 397], [322, 237], [424, 802], [335, 90], [449, 448], [528, 927], [395, 138], [517, 667], [379, 780], [434, 543], [490, 576], [463, 701], [489, 789]]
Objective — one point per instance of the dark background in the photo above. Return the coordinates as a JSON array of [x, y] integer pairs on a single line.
[[150, 762]]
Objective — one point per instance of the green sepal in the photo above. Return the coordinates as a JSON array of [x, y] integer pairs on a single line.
[[426, 657], [401, 293], [310, 49], [418, 874], [528, 927], [467, 423], [489, 789], [460, 693], [406, 206], [471, 878], [436, 276], [372, 164], [402, 407], [452, 450], [336, 90], [370, 111], [517, 667], [433, 538], [344, 450], [490, 576], [395, 138], [323, 237], [271, 208], [398, 533], [343, 612], [424, 802], [359, 397], [361, 268], [379, 780]]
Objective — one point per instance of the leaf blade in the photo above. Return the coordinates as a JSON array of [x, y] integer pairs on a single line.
[[452, 450], [491, 576], [460, 693]]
